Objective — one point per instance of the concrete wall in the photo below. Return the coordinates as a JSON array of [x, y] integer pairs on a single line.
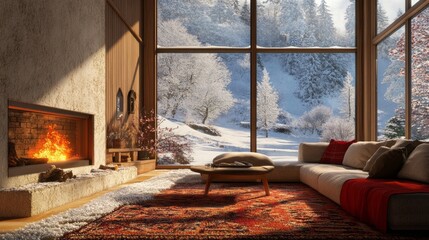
[[52, 53]]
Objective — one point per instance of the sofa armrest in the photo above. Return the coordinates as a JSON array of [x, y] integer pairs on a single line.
[[311, 152]]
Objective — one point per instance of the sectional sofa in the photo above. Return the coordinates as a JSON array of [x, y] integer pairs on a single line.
[[409, 211], [397, 202]]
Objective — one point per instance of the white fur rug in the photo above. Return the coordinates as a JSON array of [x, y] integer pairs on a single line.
[[55, 226]]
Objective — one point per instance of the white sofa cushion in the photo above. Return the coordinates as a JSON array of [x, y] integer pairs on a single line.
[[359, 153], [330, 183], [309, 173], [416, 167]]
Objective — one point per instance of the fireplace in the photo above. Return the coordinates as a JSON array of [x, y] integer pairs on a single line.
[[40, 136]]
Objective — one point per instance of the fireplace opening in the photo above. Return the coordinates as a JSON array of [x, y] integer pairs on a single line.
[[40, 136]]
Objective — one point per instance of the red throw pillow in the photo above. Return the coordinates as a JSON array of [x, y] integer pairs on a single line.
[[334, 153]]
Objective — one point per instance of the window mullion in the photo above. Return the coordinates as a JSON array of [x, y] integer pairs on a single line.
[[253, 75], [408, 74]]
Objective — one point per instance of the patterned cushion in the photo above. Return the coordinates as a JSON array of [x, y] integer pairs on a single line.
[[334, 153]]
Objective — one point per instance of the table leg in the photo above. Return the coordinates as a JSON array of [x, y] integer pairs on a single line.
[[209, 181], [265, 181]]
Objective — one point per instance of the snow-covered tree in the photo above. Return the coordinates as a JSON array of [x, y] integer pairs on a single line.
[[325, 31], [419, 72], [319, 75], [210, 96], [394, 77], [267, 104], [395, 127], [292, 24], [245, 13], [310, 18], [382, 23], [338, 129], [350, 18], [268, 25], [382, 19], [236, 6], [347, 97], [314, 119], [194, 85], [223, 12], [175, 81]]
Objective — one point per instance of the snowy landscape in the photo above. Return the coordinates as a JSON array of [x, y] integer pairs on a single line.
[[301, 97]]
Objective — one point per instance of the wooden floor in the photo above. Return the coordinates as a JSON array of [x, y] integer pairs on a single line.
[[7, 225]]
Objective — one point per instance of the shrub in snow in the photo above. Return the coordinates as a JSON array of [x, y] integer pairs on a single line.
[[210, 130], [339, 129], [245, 124], [167, 143], [282, 128], [313, 120]]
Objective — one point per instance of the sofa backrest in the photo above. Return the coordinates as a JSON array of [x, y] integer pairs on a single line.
[[311, 152]]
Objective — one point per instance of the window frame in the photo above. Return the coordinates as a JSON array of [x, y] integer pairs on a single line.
[[151, 49], [405, 20]]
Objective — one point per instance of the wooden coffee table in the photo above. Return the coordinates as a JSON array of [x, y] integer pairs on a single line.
[[256, 172]]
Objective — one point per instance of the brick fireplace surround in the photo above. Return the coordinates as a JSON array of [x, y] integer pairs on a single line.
[[31, 127]]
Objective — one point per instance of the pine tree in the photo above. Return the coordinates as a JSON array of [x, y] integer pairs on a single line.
[[326, 33], [382, 22], [395, 127], [223, 12], [292, 22], [245, 13], [351, 23], [268, 25], [236, 6], [310, 17], [348, 98], [267, 104], [382, 19]]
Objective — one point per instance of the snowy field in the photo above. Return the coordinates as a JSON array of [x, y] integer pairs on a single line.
[[206, 147]]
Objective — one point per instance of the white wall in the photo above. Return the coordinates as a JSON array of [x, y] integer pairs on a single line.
[[52, 53]]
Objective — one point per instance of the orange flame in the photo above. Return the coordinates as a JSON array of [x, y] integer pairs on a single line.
[[55, 146]]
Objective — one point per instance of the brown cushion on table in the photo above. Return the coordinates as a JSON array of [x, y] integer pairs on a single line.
[[417, 165], [256, 159], [388, 164], [374, 157]]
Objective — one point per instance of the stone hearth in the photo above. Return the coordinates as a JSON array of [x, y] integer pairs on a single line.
[[32, 199]]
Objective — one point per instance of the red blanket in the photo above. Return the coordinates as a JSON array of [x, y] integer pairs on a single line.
[[367, 199]]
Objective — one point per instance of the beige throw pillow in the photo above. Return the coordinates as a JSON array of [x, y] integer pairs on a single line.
[[374, 157], [358, 153], [417, 165]]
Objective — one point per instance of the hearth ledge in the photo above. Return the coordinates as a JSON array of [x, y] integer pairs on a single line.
[[35, 198]]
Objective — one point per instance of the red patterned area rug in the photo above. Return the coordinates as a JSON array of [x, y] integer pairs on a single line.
[[231, 211]]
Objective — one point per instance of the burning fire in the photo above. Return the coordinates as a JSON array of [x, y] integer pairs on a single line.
[[55, 147]]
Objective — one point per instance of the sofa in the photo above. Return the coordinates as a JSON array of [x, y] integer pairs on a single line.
[[409, 211]]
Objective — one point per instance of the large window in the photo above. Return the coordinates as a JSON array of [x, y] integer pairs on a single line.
[[391, 86], [403, 77], [227, 82]]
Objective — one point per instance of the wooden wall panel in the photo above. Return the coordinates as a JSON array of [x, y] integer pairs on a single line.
[[122, 57]]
